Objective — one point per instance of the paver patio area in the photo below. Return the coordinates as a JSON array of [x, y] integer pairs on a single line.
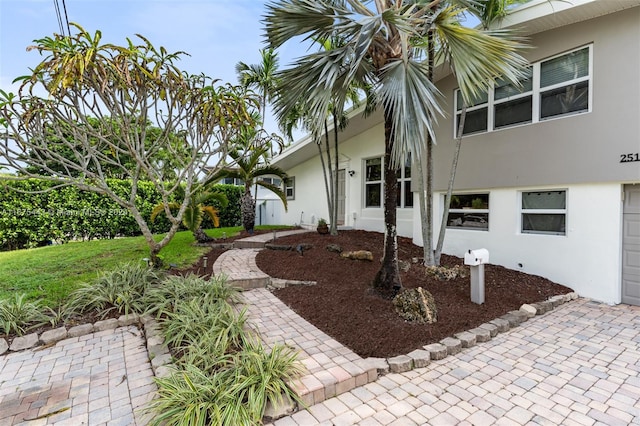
[[576, 365], [99, 378]]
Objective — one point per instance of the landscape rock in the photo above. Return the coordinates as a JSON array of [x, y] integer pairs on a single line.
[[108, 324], [4, 346], [24, 342], [80, 330], [54, 335], [416, 305], [436, 351], [284, 408], [501, 324], [358, 255], [334, 248], [530, 310], [482, 334], [129, 319], [453, 345], [400, 364], [491, 328], [467, 339], [420, 358]]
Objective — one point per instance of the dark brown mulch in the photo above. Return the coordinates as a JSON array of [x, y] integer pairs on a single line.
[[342, 305]]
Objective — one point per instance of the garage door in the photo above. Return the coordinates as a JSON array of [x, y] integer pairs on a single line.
[[631, 246]]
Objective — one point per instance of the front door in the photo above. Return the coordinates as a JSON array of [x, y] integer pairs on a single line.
[[631, 246]]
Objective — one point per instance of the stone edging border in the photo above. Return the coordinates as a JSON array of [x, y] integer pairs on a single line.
[[466, 339]]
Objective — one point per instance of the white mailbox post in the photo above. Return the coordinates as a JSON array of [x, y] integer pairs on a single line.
[[476, 260]]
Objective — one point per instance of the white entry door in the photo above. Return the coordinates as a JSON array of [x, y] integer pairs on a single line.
[[631, 246]]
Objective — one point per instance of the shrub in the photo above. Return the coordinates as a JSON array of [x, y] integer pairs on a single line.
[[121, 289], [18, 315], [236, 394], [162, 296]]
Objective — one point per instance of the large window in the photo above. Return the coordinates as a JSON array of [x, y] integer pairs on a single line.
[[374, 185], [405, 196], [373, 182], [544, 212], [555, 87], [469, 211]]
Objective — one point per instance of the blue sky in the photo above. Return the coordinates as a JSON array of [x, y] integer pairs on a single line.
[[216, 33]]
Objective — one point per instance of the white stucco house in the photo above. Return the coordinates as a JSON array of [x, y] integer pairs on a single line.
[[548, 177]]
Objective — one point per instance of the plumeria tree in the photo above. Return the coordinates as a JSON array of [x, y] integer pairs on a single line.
[[86, 107], [386, 47]]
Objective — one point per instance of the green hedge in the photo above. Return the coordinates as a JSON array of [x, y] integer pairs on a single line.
[[38, 218]]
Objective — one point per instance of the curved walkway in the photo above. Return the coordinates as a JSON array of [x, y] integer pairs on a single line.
[[576, 365]]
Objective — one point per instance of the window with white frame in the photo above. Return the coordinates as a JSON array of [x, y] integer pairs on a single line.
[[374, 185], [373, 182], [405, 195], [290, 188], [232, 181], [469, 211], [272, 180], [556, 87], [544, 212]]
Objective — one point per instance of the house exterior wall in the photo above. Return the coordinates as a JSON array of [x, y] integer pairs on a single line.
[[310, 201], [582, 148], [587, 258], [580, 154]]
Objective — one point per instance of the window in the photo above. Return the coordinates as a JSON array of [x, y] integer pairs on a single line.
[[544, 212], [272, 181], [232, 181], [290, 188], [469, 211], [374, 186], [555, 87], [373, 182], [405, 196]]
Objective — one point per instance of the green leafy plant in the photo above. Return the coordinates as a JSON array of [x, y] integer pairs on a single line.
[[162, 297], [18, 315], [236, 394], [121, 289], [209, 327]]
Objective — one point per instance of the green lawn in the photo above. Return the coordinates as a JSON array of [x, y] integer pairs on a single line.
[[51, 273]]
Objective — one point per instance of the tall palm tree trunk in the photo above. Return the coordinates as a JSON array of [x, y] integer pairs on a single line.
[[248, 209], [387, 281]]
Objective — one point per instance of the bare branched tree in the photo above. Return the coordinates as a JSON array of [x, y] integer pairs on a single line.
[[98, 102]]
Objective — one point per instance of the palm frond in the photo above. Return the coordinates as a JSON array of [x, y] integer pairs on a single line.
[[411, 97], [276, 190], [212, 212], [478, 57]]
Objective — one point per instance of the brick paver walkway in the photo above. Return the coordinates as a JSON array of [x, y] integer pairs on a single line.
[[97, 379], [577, 365]]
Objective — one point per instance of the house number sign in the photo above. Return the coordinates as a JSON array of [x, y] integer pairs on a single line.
[[629, 158]]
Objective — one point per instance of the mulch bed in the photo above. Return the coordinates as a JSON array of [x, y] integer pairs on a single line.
[[343, 305]]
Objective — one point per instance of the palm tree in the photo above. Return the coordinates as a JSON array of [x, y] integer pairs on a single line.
[[262, 78], [197, 208], [339, 121], [385, 44], [250, 168]]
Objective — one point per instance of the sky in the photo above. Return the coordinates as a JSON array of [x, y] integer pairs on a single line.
[[216, 33]]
